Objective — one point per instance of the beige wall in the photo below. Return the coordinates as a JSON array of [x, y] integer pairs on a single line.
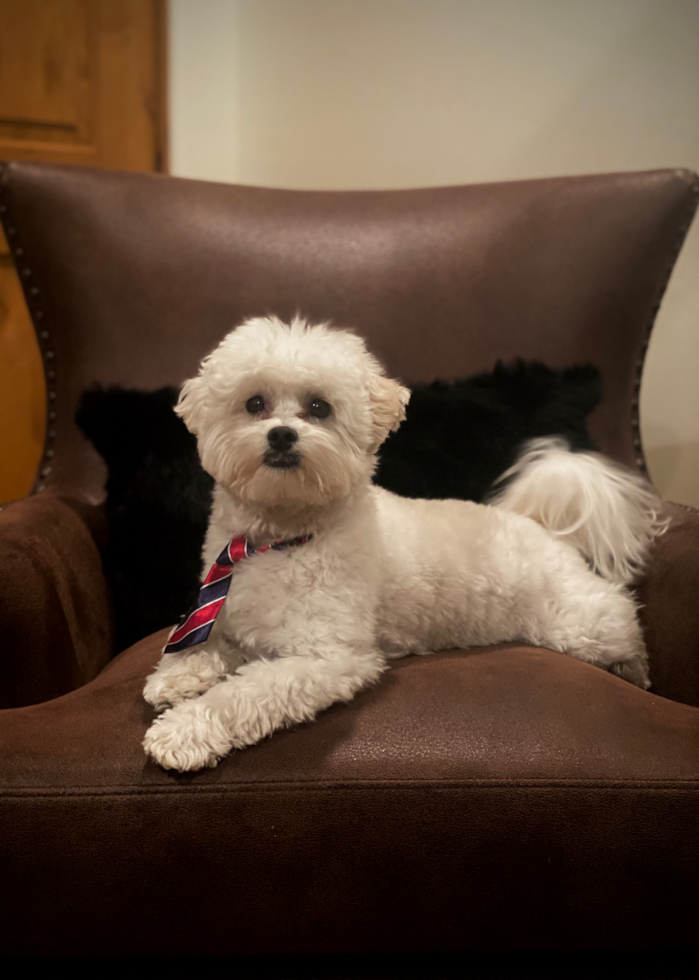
[[404, 93]]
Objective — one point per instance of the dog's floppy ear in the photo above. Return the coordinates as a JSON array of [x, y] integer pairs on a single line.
[[387, 400], [192, 403]]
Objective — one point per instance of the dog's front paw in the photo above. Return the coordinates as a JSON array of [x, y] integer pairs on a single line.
[[186, 738], [159, 693], [179, 678]]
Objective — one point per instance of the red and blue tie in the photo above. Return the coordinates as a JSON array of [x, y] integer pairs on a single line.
[[197, 624]]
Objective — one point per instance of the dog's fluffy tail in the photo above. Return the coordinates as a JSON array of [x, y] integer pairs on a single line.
[[608, 513]]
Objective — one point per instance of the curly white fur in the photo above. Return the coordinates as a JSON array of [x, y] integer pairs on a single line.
[[609, 514], [382, 576]]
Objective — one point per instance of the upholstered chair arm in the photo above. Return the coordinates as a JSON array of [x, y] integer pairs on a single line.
[[56, 624], [669, 593]]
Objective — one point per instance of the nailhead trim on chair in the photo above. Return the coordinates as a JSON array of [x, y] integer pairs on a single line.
[[692, 510], [37, 311]]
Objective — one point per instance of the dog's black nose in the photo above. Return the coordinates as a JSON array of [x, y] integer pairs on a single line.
[[282, 437]]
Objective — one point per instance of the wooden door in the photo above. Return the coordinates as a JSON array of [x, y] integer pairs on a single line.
[[81, 82]]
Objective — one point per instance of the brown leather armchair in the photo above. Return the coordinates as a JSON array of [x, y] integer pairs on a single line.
[[507, 798]]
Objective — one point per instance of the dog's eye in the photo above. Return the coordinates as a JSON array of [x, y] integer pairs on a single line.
[[319, 408], [255, 404]]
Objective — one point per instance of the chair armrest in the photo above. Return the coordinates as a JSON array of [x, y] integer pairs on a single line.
[[56, 621], [669, 593]]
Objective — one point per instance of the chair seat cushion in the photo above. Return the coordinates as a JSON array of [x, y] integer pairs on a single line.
[[458, 802]]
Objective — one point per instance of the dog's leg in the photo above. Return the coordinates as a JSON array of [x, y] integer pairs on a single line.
[[261, 697], [634, 671], [180, 676], [594, 621]]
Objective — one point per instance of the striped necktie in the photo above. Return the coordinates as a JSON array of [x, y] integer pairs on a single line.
[[197, 624]]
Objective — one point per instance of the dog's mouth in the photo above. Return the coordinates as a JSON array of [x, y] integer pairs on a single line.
[[286, 460]]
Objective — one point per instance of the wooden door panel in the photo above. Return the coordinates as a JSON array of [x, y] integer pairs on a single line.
[[22, 390], [81, 82], [45, 72]]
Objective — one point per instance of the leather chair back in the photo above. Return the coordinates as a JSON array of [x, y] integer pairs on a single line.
[[133, 278]]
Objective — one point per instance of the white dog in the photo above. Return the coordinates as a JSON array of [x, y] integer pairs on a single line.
[[288, 420]]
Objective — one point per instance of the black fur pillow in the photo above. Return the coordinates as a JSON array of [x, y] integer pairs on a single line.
[[455, 442], [158, 502], [457, 439]]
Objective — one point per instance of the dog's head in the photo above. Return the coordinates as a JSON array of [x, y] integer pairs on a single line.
[[290, 414]]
